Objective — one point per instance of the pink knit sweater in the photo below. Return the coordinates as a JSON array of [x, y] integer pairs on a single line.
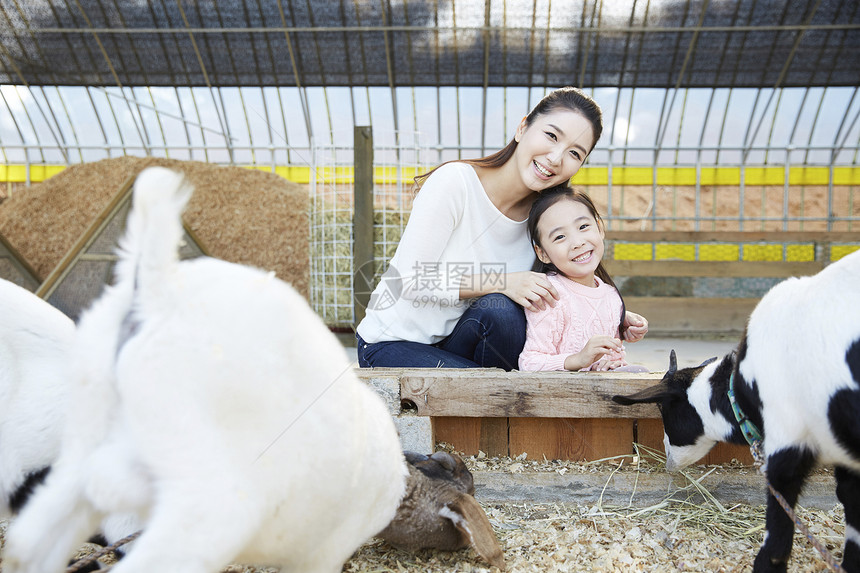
[[556, 332]]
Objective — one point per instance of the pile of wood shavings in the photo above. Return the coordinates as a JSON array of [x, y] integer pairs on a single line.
[[241, 215]]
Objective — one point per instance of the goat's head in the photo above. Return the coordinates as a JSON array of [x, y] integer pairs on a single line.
[[444, 466], [684, 398], [438, 510]]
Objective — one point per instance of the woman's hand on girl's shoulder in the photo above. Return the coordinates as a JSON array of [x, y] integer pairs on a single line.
[[533, 291]]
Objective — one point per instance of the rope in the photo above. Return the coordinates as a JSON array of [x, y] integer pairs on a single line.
[[825, 553], [76, 566], [758, 456]]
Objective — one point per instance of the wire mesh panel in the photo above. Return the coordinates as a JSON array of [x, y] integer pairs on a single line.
[[752, 198], [397, 159]]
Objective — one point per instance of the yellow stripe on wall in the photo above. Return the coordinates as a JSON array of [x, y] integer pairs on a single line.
[[763, 252], [797, 252], [846, 175], [839, 251], [727, 176], [591, 176], [674, 252], [764, 176], [18, 173], [800, 253], [587, 176], [719, 252], [809, 176], [634, 251]]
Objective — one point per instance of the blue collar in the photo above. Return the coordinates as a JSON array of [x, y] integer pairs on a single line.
[[748, 429]]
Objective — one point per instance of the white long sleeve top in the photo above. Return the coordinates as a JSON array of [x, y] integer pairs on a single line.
[[454, 231]]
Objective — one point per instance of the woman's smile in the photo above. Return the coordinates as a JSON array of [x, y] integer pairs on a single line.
[[542, 171]]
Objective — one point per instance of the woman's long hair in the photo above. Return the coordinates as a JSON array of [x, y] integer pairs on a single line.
[[546, 199], [567, 98]]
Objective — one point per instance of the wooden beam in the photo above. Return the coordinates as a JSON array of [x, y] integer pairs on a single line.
[[362, 221], [682, 315], [492, 393], [56, 276], [727, 269]]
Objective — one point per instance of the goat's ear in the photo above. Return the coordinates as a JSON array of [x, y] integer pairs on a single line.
[[473, 525], [651, 394]]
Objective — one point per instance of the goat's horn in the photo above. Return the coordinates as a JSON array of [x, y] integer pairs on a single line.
[[673, 363]]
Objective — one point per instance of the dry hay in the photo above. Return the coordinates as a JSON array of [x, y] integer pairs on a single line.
[[669, 536], [240, 215]]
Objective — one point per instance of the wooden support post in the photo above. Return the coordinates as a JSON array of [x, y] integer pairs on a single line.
[[362, 222]]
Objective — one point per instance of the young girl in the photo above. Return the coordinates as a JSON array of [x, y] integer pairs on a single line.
[[583, 331]]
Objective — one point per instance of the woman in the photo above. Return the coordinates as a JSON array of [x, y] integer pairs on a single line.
[[454, 294]]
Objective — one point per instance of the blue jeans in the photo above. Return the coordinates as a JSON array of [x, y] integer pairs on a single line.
[[490, 334]]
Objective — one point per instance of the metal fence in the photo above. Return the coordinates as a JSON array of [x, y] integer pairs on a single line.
[[696, 198], [683, 192], [398, 157]]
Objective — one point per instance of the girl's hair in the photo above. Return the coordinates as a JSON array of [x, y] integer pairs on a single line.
[[567, 98], [546, 199]]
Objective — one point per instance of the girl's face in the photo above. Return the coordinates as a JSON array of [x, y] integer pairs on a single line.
[[571, 239], [551, 150]]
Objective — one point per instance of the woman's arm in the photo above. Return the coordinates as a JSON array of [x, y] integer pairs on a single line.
[[436, 211]]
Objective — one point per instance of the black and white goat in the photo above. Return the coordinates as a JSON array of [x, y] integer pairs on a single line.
[[796, 377], [211, 401]]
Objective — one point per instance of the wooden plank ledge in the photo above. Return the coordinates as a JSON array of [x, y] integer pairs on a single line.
[[494, 393]]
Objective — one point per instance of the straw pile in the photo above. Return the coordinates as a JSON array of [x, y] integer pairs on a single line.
[[240, 215], [669, 536]]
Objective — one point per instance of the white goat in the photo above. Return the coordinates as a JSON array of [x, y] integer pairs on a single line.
[[215, 404], [797, 379], [35, 349], [35, 339]]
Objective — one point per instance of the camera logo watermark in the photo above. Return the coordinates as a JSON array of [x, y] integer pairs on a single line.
[[385, 290], [428, 283]]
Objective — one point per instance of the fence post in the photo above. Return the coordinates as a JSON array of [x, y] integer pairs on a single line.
[[362, 222]]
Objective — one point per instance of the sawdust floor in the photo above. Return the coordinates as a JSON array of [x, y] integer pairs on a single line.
[[669, 536]]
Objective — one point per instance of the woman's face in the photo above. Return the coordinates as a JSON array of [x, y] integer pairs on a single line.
[[552, 149]]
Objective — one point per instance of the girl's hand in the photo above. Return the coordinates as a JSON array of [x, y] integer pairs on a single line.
[[606, 364], [637, 327], [595, 349], [531, 290]]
